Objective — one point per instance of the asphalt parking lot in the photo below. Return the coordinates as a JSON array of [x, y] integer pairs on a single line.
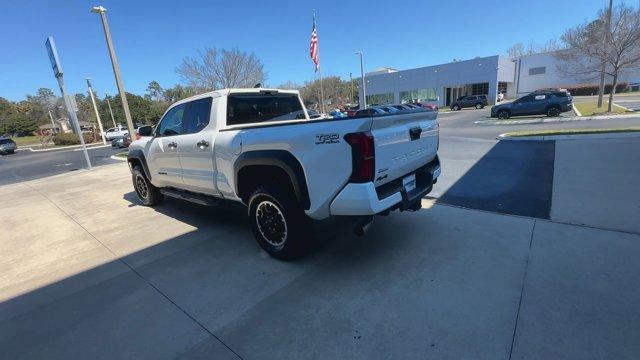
[[28, 165], [85, 272]]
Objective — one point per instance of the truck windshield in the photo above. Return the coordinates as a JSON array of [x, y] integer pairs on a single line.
[[257, 107]]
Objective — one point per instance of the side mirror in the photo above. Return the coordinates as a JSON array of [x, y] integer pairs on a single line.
[[146, 130]]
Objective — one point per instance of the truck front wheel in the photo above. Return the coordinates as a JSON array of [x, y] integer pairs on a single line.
[[148, 194], [279, 223]]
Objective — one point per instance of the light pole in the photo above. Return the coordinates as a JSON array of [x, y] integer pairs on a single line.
[[110, 111], [68, 99], [53, 124], [95, 108], [363, 102], [351, 92], [116, 68]]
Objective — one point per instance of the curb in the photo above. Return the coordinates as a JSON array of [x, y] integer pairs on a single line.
[[553, 120], [113, 157], [62, 148], [620, 135]]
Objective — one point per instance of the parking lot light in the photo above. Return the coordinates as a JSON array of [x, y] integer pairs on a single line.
[[363, 102], [95, 108], [116, 68]]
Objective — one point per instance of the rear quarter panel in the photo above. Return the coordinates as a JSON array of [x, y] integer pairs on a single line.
[[318, 145]]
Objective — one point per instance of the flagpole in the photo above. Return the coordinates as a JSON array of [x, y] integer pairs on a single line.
[[322, 110]]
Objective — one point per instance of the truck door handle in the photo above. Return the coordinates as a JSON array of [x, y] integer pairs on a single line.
[[414, 133], [172, 145], [202, 144]]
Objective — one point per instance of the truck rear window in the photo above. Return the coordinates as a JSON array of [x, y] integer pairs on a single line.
[[257, 107]]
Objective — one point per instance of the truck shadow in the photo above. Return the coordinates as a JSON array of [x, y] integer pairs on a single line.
[[333, 236]]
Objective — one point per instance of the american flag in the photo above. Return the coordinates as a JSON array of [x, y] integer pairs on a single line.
[[313, 46]]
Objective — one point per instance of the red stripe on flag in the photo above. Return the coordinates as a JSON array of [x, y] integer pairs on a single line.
[[313, 47]]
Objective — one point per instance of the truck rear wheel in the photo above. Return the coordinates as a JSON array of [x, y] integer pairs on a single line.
[[279, 223], [148, 194]]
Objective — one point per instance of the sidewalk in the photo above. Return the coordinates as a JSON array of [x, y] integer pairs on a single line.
[[87, 273]]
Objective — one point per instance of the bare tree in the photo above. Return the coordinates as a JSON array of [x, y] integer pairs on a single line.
[[518, 49], [585, 54], [337, 92], [218, 69], [290, 85]]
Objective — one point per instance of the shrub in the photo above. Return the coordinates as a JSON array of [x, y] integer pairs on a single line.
[[71, 139], [592, 89]]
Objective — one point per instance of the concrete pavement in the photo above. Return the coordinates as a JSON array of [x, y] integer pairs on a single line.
[[88, 273], [596, 183]]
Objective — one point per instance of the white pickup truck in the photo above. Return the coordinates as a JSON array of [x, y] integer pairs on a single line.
[[259, 147]]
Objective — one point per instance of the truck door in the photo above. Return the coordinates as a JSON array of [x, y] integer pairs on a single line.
[[195, 147], [162, 156]]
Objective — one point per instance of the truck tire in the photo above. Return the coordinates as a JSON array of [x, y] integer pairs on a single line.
[[279, 223], [479, 106], [455, 107], [148, 194]]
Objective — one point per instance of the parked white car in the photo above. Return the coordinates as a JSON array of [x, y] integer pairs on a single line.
[[259, 147], [116, 133]]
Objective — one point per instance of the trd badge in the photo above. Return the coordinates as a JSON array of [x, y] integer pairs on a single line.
[[327, 138]]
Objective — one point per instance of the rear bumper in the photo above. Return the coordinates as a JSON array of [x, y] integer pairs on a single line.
[[366, 199]]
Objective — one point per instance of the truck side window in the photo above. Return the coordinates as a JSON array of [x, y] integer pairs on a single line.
[[196, 115], [171, 123], [247, 108]]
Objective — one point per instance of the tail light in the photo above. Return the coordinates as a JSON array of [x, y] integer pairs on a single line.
[[363, 155]]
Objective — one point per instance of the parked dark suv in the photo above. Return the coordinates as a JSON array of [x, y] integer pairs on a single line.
[[476, 101], [543, 102]]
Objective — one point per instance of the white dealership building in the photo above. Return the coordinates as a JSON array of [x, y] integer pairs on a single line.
[[441, 84]]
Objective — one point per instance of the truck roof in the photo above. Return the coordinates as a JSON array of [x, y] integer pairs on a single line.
[[224, 92]]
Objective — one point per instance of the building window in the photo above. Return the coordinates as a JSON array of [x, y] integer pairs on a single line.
[[480, 89], [537, 70], [420, 95], [502, 87], [380, 99]]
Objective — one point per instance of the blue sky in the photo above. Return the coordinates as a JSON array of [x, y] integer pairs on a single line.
[[152, 37]]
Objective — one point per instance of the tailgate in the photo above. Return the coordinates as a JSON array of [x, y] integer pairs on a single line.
[[403, 143]]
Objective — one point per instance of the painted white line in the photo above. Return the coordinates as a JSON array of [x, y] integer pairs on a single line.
[[575, 109], [622, 107]]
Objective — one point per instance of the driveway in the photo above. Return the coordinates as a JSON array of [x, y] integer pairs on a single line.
[[91, 274]]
